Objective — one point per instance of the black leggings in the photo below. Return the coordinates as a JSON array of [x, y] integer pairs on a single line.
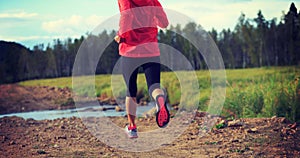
[[151, 67]]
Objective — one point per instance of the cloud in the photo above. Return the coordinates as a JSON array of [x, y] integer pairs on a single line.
[[73, 25], [19, 15], [11, 18], [15, 22]]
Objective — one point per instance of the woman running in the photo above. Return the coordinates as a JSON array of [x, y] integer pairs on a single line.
[[138, 47]]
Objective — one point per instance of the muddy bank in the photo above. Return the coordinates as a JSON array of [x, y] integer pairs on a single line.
[[15, 98]]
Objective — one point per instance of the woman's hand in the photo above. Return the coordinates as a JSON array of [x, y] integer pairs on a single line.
[[117, 39]]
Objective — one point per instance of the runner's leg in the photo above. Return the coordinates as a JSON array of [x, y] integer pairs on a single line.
[[130, 78]]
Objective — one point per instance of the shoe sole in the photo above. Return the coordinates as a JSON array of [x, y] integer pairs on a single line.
[[131, 137], [162, 115]]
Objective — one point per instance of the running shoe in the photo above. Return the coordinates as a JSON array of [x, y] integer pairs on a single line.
[[162, 115], [131, 132]]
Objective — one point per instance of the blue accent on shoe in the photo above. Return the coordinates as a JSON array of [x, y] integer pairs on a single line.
[[131, 133]]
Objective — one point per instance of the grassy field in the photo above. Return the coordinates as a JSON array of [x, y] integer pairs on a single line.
[[256, 92], [264, 92]]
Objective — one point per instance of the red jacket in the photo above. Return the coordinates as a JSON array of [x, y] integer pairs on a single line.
[[138, 27]]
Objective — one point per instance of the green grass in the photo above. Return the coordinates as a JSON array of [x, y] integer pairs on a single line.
[[55, 82], [255, 92], [263, 92]]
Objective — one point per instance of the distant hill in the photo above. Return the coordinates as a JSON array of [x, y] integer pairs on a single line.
[[10, 53], [8, 46]]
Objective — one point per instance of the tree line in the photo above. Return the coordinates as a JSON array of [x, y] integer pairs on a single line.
[[256, 42]]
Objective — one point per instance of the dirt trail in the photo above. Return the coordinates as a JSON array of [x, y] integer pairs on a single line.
[[69, 137]]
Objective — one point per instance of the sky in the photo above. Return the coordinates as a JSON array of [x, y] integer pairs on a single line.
[[32, 22]]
